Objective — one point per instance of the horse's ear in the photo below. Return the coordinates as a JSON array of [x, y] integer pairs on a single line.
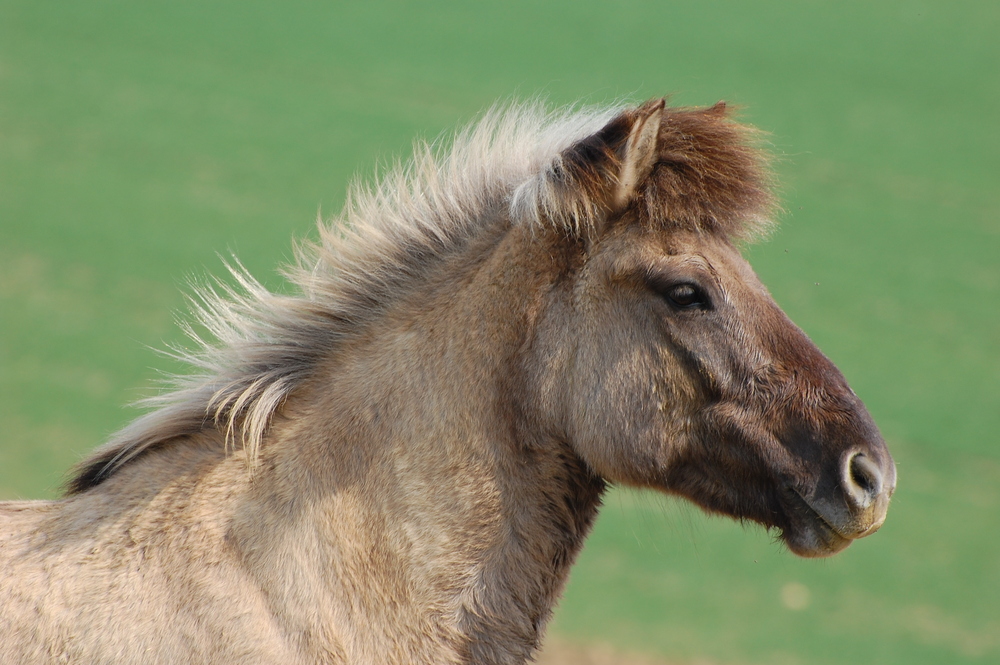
[[598, 175], [639, 153]]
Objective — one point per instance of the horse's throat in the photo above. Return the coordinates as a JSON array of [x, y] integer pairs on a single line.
[[523, 578]]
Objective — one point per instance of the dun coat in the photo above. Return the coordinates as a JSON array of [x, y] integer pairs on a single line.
[[400, 463]]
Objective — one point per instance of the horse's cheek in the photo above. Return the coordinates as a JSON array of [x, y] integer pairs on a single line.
[[618, 420]]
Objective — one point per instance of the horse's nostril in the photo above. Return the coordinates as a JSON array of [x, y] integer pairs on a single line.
[[862, 479], [862, 475]]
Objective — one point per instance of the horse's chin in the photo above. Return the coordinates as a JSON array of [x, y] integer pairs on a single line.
[[808, 534], [814, 543]]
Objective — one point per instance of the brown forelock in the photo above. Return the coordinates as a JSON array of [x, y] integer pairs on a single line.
[[709, 175]]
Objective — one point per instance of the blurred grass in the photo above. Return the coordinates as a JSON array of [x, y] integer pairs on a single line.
[[138, 140]]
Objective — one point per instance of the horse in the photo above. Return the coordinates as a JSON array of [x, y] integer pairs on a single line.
[[399, 461]]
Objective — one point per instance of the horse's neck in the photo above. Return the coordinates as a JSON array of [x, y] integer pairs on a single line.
[[408, 508]]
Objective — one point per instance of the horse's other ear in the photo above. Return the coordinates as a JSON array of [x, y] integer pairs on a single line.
[[597, 176], [639, 153]]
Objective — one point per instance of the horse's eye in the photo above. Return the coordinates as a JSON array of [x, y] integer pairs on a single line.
[[686, 296]]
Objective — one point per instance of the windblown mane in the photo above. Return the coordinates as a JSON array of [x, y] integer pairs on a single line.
[[516, 159]]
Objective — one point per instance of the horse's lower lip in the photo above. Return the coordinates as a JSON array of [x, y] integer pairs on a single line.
[[809, 533]]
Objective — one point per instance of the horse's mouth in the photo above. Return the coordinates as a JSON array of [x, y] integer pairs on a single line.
[[808, 533]]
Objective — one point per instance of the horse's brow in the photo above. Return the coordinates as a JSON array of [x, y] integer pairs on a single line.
[[700, 263]]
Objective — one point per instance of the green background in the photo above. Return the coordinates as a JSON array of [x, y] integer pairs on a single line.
[[138, 140]]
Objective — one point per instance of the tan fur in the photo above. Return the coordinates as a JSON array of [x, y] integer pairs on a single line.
[[401, 464]]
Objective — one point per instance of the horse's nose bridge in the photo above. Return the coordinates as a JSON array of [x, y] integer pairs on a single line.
[[788, 346]]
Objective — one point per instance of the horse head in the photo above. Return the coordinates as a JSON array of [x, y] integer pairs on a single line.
[[669, 365]]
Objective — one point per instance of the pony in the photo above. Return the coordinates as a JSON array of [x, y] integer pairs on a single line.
[[400, 461]]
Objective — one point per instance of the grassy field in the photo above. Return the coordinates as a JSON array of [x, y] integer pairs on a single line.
[[139, 140]]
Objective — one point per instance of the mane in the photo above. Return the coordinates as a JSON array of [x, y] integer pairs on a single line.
[[261, 345]]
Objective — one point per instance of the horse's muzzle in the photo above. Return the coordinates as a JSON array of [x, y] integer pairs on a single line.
[[822, 524]]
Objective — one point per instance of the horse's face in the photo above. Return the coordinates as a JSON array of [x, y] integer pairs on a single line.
[[684, 375]]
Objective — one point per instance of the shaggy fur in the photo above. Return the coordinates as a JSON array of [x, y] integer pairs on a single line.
[[400, 464]]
